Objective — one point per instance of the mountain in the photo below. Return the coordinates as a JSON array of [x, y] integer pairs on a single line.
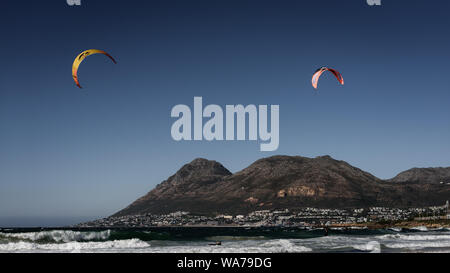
[[424, 175], [278, 182]]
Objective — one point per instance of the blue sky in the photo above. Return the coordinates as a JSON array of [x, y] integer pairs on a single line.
[[69, 155]]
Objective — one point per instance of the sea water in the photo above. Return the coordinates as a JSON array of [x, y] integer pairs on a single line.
[[234, 240]]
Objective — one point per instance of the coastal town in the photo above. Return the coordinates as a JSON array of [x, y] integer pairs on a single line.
[[302, 217]]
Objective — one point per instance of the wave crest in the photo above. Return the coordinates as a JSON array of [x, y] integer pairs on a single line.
[[108, 246], [57, 236]]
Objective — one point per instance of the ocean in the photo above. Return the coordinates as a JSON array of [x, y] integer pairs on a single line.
[[233, 240]]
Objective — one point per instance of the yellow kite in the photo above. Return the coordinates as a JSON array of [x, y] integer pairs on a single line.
[[81, 57]]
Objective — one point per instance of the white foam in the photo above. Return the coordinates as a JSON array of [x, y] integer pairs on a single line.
[[395, 229], [420, 228], [372, 247], [284, 245], [418, 245], [414, 237], [415, 241], [109, 246], [250, 246], [59, 236]]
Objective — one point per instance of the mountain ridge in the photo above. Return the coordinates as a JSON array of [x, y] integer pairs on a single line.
[[429, 175], [207, 187]]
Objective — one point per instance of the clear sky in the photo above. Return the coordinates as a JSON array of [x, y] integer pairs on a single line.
[[69, 155]]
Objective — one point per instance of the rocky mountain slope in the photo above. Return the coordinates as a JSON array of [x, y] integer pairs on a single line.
[[424, 175], [207, 187]]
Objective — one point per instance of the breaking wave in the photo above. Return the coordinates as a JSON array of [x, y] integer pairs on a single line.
[[57, 236], [372, 247], [285, 245], [108, 246], [420, 228], [414, 237], [250, 246], [416, 241]]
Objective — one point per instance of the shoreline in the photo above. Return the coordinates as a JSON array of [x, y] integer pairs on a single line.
[[400, 224], [436, 224]]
